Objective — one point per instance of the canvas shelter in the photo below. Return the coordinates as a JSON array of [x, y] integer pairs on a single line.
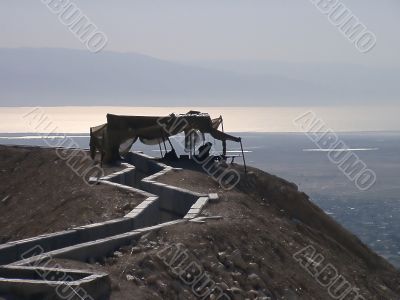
[[116, 137]]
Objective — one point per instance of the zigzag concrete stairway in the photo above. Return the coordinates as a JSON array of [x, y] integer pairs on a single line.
[[164, 205]]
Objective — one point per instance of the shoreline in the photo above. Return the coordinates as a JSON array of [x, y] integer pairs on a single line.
[[253, 119]]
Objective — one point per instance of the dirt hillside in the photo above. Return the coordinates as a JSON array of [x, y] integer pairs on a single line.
[[265, 239], [250, 251], [40, 193]]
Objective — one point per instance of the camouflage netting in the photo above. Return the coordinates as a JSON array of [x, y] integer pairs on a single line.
[[116, 138]]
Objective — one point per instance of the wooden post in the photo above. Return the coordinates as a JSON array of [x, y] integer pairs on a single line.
[[159, 144], [224, 148], [244, 160], [224, 141], [102, 149], [169, 141], [191, 145], [165, 147]]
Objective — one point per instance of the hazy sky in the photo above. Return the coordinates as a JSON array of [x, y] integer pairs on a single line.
[[280, 30]]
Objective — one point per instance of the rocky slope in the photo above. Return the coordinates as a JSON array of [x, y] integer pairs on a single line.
[[268, 242], [40, 193], [263, 239]]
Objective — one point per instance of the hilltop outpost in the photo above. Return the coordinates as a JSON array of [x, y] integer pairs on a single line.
[[116, 137], [164, 228]]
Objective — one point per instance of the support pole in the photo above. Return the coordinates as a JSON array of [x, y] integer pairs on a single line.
[[159, 144], [169, 141], [224, 148], [165, 147], [190, 139], [102, 149], [244, 160], [224, 141]]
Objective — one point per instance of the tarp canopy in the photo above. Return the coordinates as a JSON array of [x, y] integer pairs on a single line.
[[117, 136]]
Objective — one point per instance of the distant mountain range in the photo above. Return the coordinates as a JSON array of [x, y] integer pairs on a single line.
[[52, 77]]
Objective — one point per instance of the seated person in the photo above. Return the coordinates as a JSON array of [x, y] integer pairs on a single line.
[[204, 151], [171, 155]]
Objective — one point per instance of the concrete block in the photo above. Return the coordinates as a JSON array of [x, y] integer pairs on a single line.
[[93, 180], [96, 249], [200, 203], [132, 214], [144, 204], [31, 285], [158, 226], [140, 220], [213, 197], [190, 216], [105, 229], [46, 242], [195, 211]]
